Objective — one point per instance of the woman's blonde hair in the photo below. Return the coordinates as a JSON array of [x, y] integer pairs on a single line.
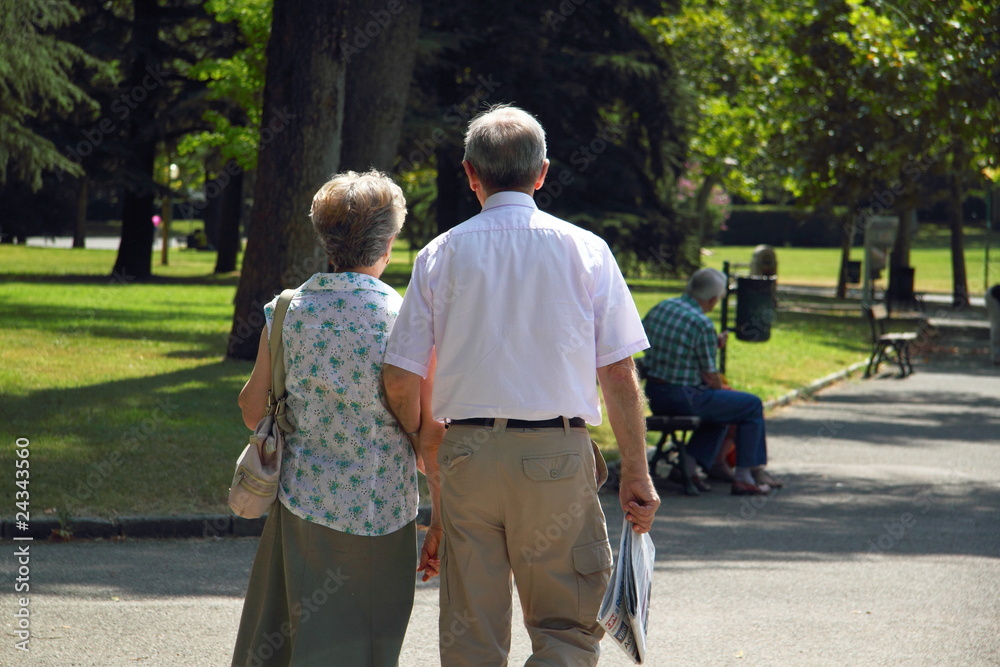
[[355, 216]]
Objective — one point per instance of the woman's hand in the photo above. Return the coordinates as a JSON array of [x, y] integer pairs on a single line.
[[430, 562]]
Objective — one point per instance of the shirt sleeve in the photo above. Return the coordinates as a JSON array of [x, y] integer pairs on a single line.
[[617, 325], [705, 348], [412, 337]]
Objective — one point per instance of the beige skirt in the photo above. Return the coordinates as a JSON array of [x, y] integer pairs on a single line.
[[318, 596]]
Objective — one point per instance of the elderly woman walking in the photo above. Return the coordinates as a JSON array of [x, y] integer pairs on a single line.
[[333, 578]]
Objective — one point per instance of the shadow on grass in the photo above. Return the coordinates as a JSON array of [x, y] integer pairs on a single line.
[[118, 323], [107, 280], [164, 444]]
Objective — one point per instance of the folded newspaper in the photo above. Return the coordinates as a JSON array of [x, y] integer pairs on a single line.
[[624, 612]]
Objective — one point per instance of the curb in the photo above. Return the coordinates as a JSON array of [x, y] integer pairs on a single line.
[[227, 525], [153, 527], [813, 387]]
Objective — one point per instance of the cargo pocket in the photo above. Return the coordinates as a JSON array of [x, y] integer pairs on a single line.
[[451, 454], [551, 467], [592, 563]]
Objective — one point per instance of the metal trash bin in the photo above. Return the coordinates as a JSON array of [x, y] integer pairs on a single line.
[[756, 308]]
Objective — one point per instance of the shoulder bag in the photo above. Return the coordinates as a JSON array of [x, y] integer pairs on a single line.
[[255, 483]]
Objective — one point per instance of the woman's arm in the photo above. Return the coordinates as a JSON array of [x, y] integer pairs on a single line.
[[253, 397]]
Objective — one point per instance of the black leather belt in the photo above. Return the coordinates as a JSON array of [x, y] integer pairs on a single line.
[[555, 422]]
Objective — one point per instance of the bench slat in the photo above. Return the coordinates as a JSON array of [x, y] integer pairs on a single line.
[[672, 423]]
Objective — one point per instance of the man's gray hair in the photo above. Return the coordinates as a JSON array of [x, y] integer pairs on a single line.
[[355, 215], [506, 145], [706, 284]]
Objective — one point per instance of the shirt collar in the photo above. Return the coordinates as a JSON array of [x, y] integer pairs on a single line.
[[509, 198], [690, 301], [345, 281]]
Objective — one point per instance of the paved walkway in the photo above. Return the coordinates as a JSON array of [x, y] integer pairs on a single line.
[[883, 549]]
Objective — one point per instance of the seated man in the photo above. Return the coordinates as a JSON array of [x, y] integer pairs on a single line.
[[682, 379]]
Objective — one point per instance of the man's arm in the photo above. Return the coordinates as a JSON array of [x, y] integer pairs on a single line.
[[626, 412], [712, 378]]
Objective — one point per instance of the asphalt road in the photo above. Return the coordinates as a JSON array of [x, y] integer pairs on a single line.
[[883, 549]]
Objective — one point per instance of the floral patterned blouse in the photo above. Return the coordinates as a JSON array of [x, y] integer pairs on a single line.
[[348, 466]]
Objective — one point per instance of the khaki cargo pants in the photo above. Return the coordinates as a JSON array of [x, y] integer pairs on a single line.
[[521, 502]]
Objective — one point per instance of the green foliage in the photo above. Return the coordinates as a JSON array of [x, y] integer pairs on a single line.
[[828, 100], [37, 71], [604, 88], [239, 81]]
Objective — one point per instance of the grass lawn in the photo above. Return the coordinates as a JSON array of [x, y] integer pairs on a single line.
[[129, 407], [929, 255]]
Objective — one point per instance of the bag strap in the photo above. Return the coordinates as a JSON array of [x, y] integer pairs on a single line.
[[277, 394]]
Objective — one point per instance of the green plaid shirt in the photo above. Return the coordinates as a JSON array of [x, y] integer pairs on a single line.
[[683, 342]]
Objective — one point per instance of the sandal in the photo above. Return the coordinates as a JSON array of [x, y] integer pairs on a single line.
[[744, 489], [761, 476]]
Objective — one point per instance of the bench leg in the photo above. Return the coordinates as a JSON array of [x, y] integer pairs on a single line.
[[904, 355], [689, 487], [898, 349], [873, 361], [658, 454]]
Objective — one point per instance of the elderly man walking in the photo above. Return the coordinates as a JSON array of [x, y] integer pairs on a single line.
[[526, 313]]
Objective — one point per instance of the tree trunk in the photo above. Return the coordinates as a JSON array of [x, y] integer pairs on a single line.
[[299, 149], [960, 293], [377, 83], [901, 249], [80, 228], [227, 243], [845, 253], [135, 253], [701, 207], [449, 186], [166, 220], [212, 213]]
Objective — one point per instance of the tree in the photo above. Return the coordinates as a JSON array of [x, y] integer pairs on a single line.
[[229, 147], [158, 103], [380, 51], [614, 139], [319, 74], [36, 69], [851, 102]]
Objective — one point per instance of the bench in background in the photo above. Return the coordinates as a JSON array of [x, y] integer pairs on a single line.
[[888, 345], [675, 431]]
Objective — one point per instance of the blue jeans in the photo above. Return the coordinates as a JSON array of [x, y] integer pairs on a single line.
[[718, 408]]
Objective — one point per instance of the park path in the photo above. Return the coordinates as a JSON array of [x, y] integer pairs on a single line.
[[883, 549]]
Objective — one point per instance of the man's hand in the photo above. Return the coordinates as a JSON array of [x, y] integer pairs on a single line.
[[430, 562], [723, 337], [639, 501], [713, 380]]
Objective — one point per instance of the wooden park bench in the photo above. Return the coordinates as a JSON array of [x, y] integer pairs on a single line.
[[675, 431], [888, 345]]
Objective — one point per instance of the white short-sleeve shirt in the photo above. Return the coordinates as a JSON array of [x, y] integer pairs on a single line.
[[523, 308], [348, 466]]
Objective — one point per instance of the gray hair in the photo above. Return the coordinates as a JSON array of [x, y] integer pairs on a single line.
[[355, 216], [706, 284], [506, 145]]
